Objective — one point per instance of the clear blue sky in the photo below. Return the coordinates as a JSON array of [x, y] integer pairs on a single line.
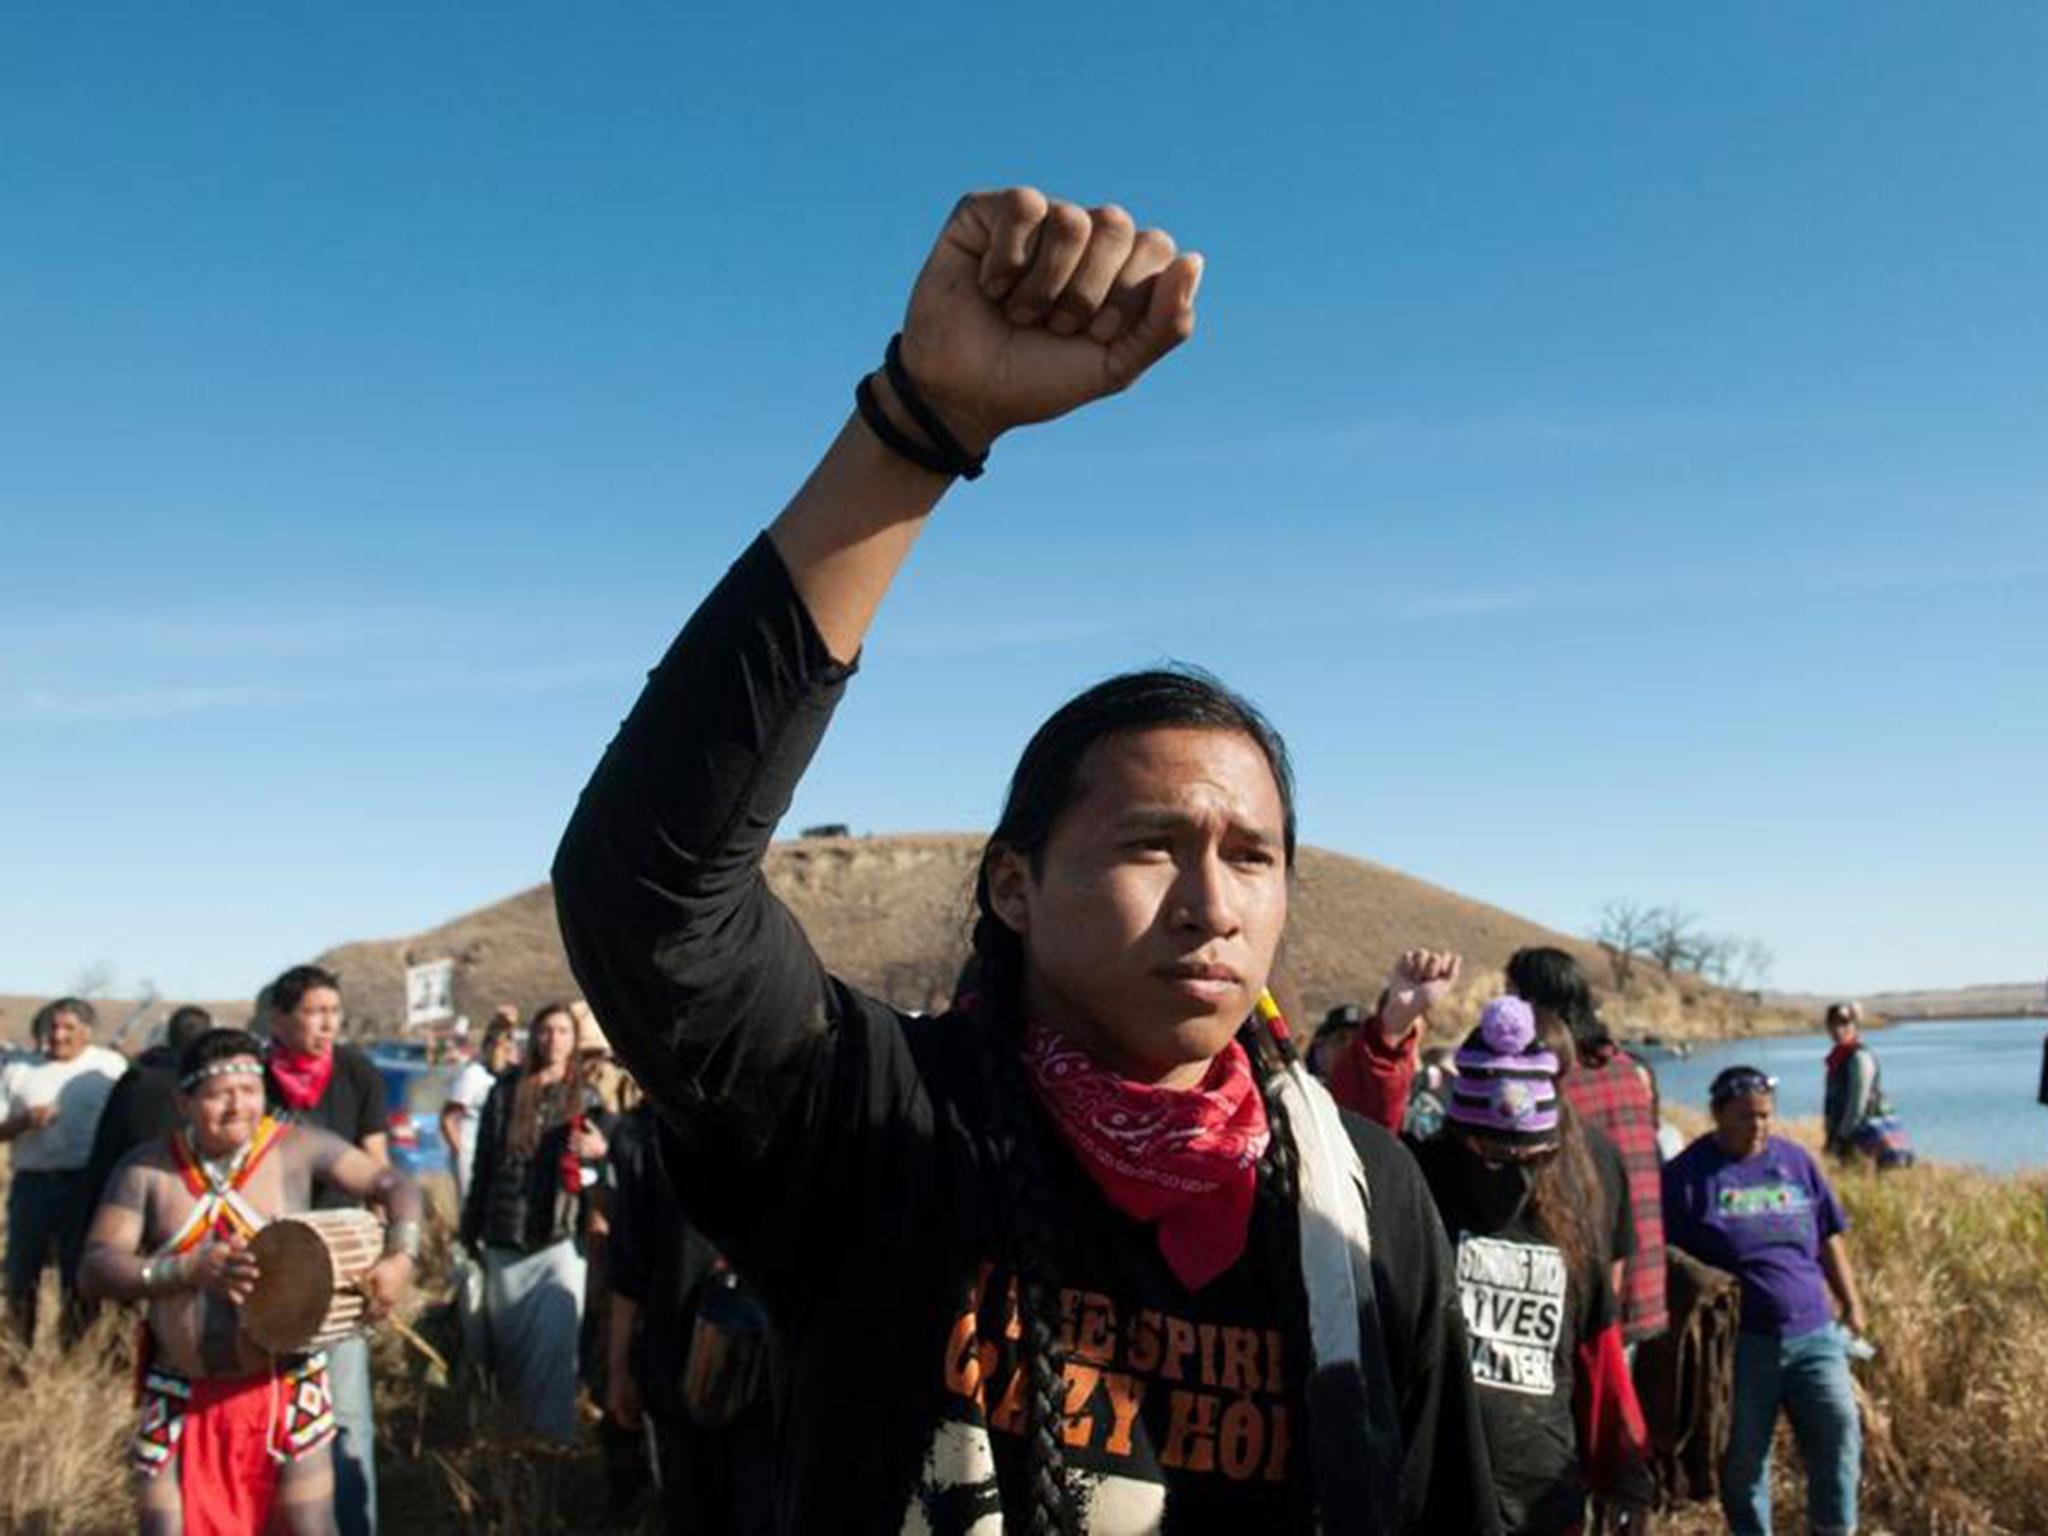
[[1613, 450]]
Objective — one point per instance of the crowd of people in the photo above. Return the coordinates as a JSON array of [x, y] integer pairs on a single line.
[[1105, 1247], [146, 1181], [1535, 1141], [1551, 1137]]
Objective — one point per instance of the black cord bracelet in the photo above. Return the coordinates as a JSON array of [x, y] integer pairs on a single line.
[[891, 435], [965, 464]]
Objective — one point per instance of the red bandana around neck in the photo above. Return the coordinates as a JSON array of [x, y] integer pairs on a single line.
[[1182, 1159], [301, 1079], [1840, 1054]]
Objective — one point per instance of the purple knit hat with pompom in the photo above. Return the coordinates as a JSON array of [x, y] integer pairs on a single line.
[[1506, 1088]]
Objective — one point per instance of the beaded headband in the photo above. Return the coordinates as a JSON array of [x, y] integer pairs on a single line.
[[227, 1066]]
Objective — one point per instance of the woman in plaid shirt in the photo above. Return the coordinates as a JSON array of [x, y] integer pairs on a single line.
[[1613, 1092], [1609, 1089]]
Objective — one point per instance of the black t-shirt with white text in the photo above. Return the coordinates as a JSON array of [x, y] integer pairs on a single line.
[[1525, 1318]]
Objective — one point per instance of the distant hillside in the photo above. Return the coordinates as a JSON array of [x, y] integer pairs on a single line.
[[2003, 1000], [890, 915]]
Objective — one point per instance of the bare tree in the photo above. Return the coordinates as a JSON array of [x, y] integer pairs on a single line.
[[1624, 932], [1717, 957], [1672, 939], [137, 1014], [1675, 940], [95, 980], [1754, 965]]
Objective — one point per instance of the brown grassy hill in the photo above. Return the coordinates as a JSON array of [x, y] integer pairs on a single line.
[[890, 915]]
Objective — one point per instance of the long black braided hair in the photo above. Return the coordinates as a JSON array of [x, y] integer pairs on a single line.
[[1045, 784]]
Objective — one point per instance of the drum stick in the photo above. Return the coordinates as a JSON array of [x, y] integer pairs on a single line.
[[404, 1330]]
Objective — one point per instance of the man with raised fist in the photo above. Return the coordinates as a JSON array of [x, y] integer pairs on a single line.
[[1092, 1252]]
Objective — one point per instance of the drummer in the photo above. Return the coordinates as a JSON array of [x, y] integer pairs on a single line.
[[232, 1441]]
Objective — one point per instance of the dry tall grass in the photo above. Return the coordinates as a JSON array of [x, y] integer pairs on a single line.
[[64, 1424], [1954, 1266]]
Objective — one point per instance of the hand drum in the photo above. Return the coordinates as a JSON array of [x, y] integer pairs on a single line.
[[306, 1296]]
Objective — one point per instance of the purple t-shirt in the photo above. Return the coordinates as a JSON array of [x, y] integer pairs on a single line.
[[1762, 1218]]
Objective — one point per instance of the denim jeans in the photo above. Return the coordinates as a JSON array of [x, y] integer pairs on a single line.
[[355, 1444], [1808, 1375]]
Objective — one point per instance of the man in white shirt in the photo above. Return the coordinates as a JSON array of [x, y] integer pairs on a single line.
[[50, 1104], [468, 1090]]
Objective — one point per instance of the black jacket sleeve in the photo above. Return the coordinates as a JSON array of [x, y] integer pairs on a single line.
[[113, 1136], [490, 1141], [1446, 1480], [630, 1255], [786, 1089]]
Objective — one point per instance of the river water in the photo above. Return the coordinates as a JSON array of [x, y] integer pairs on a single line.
[[1964, 1090]]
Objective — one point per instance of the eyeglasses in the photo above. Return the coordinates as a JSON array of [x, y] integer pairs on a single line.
[[1740, 1086]]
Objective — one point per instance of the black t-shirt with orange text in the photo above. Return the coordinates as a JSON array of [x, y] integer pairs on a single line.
[[1183, 1410], [839, 1152]]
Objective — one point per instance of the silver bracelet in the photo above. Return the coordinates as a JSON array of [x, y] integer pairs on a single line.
[[164, 1274], [402, 1237]]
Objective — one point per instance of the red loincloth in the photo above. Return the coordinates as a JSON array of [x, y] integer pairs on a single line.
[[226, 1474], [230, 1437]]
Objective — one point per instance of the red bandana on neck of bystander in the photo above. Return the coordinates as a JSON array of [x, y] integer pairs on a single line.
[[301, 1079]]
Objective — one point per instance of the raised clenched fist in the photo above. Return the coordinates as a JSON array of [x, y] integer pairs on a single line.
[[1028, 307], [1419, 981]]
